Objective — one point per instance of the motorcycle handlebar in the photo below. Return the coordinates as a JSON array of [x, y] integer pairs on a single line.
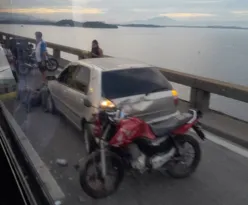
[[116, 113], [104, 115]]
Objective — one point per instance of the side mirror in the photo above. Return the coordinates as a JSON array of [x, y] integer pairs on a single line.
[[87, 102]]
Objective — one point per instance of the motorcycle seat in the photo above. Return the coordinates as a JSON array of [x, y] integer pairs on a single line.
[[162, 128]]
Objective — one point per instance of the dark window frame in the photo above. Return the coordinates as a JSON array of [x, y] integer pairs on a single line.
[[64, 72], [78, 83]]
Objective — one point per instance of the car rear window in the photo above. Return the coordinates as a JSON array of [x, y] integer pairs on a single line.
[[129, 82]]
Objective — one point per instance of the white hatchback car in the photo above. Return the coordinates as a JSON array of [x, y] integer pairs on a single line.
[[106, 82]]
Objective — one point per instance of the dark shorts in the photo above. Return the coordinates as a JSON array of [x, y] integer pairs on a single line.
[[41, 67]]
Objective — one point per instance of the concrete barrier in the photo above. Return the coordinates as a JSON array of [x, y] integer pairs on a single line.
[[43, 176]]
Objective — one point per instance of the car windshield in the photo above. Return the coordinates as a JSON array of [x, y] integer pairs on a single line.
[[129, 82]]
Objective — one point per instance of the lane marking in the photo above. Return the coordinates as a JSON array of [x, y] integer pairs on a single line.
[[229, 145]]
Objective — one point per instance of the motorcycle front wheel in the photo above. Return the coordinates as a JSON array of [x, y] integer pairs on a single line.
[[91, 180], [23, 69], [52, 64], [181, 166]]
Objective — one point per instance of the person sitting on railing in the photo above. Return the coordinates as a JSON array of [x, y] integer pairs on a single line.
[[96, 51], [41, 54]]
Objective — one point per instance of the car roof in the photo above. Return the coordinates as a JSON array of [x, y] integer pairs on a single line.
[[110, 63]]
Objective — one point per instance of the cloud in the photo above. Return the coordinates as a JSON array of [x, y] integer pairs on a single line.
[[120, 10], [240, 12], [140, 10], [204, 2], [70, 9], [187, 15]]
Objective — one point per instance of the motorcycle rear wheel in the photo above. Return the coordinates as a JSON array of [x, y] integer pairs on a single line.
[[94, 160], [190, 169]]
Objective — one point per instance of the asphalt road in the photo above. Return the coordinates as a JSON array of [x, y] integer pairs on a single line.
[[221, 178]]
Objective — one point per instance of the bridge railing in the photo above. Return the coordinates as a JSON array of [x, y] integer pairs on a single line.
[[201, 87]]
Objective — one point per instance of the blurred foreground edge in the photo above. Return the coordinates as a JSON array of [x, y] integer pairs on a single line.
[[28, 179]]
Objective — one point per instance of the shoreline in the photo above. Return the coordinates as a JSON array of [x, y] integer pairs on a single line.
[[131, 26]]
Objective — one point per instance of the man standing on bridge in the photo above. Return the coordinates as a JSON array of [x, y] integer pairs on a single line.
[[41, 54]]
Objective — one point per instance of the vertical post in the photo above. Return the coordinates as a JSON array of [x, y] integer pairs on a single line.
[[199, 99], [6, 88], [56, 53], [7, 40], [81, 56]]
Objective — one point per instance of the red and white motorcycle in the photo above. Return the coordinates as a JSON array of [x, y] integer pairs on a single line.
[[128, 143]]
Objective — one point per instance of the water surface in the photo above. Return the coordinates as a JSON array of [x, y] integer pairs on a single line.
[[215, 53]]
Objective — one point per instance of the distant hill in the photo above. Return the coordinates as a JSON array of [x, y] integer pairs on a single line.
[[158, 21], [140, 25], [88, 24], [24, 22], [12, 18], [18, 17], [97, 24], [69, 22]]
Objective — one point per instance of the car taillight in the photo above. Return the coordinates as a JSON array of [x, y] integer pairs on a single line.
[[105, 103], [175, 96]]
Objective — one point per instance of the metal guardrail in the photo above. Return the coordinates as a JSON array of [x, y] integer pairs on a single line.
[[201, 88]]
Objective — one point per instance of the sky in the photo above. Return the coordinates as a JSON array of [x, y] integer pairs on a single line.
[[128, 10]]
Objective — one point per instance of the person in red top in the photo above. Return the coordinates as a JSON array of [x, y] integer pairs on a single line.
[[96, 51]]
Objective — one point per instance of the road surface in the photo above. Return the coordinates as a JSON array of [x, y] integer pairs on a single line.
[[221, 179]]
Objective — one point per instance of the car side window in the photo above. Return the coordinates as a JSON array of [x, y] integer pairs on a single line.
[[82, 79], [66, 76]]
